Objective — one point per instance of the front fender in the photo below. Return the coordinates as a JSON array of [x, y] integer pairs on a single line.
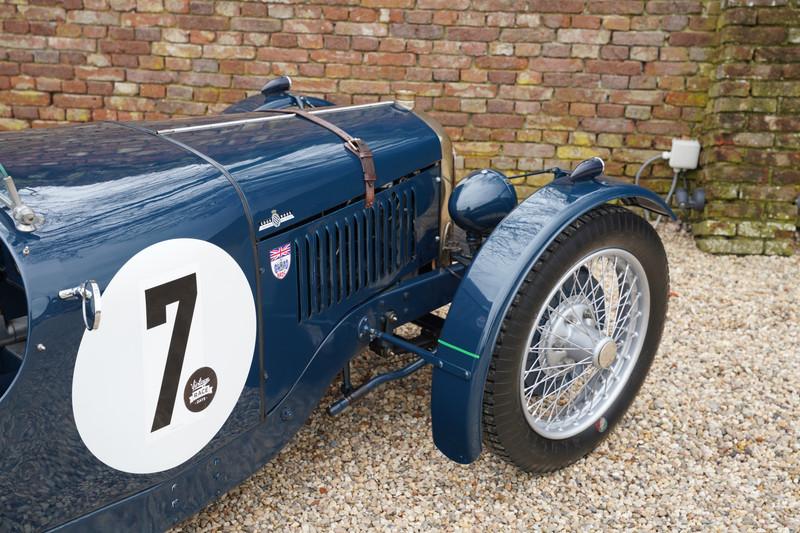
[[485, 294]]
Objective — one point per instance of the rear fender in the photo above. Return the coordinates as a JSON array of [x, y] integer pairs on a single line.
[[487, 290]]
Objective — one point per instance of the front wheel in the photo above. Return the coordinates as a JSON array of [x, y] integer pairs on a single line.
[[577, 342]]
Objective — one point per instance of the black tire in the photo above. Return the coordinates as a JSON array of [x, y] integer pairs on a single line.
[[506, 429]]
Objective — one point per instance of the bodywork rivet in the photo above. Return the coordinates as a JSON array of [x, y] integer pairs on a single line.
[[41, 347], [26, 250]]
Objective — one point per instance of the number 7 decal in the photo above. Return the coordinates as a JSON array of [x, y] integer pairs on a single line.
[[184, 291]]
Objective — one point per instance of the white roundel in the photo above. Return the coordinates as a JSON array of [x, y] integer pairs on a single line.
[[160, 376]]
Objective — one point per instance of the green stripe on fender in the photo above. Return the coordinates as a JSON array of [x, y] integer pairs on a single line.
[[460, 350]]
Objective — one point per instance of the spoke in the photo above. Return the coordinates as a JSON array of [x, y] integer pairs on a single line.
[[548, 377], [554, 404], [553, 367], [626, 322], [626, 304], [559, 391], [548, 394], [552, 379]]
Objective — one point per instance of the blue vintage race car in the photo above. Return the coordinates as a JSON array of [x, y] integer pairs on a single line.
[[178, 296]]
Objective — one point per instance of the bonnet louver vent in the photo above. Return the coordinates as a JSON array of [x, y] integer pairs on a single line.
[[354, 251]]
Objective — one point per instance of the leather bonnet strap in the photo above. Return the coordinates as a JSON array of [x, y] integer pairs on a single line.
[[353, 144]]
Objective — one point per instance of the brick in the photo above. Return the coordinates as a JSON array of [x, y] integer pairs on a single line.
[[686, 99], [108, 18], [556, 65], [616, 7], [51, 71], [365, 87], [625, 68], [416, 31], [783, 54], [307, 26], [336, 56], [177, 50], [255, 25], [785, 247], [692, 39], [365, 29], [645, 38], [614, 52], [196, 22], [564, 6], [607, 125], [762, 35], [583, 36], [11, 124], [42, 13], [229, 52], [714, 227], [282, 54], [78, 101], [66, 43], [721, 245], [527, 35], [472, 34], [24, 97]]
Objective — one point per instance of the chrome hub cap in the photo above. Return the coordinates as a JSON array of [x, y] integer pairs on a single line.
[[605, 353], [584, 343]]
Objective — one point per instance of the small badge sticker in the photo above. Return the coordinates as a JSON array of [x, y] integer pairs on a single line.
[[280, 259], [275, 220], [200, 389]]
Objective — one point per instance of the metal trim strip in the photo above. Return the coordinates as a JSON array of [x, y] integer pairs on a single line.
[[232, 123]]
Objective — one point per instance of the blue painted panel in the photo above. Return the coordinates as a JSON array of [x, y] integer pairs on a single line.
[[290, 164], [485, 294], [107, 192]]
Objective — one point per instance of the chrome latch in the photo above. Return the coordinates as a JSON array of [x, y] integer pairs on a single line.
[[89, 293], [25, 219]]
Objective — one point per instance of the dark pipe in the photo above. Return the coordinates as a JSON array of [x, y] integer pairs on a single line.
[[13, 331], [340, 405], [347, 383]]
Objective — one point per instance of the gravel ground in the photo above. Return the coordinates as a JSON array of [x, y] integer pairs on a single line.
[[710, 442]]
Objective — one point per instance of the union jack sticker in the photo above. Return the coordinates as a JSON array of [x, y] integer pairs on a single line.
[[280, 259]]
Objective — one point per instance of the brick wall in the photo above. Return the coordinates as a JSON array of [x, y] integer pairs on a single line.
[[518, 84], [752, 132]]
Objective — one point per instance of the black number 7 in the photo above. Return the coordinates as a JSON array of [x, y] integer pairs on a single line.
[[184, 291]]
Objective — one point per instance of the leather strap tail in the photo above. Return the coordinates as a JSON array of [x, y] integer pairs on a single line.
[[353, 144]]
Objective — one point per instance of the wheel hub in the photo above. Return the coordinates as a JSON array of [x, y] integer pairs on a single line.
[[571, 335]]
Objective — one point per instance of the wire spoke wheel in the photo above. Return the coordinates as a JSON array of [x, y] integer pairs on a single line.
[[584, 343], [577, 340]]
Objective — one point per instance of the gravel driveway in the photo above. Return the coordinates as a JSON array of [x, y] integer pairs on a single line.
[[711, 441]]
